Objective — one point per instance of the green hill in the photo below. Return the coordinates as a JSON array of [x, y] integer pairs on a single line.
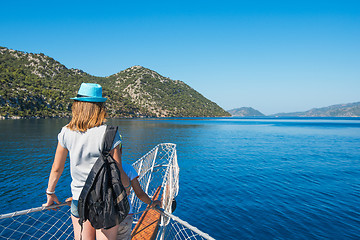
[[35, 85]]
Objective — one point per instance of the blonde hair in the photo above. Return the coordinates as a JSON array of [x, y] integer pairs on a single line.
[[86, 115]]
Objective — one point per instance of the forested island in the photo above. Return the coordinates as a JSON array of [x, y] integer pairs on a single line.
[[38, 86], [338, 110], [245, 112]]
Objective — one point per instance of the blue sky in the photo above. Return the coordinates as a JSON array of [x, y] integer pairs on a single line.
[[274, 56]]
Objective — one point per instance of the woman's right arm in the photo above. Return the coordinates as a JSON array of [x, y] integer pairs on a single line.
[[56, 171]]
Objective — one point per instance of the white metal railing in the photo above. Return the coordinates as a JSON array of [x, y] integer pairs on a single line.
[[159, 167]]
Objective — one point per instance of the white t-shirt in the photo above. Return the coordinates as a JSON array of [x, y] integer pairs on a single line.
[[84, 149], [132, 174]]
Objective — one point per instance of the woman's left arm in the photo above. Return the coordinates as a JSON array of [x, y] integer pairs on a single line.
[[116, 154], [56, 171], [142, 195]]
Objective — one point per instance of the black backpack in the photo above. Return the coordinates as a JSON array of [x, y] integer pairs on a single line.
[[103, 200]]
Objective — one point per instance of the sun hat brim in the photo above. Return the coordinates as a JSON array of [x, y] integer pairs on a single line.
[[89, 99]]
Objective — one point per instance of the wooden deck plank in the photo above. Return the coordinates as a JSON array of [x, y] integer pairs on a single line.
[[148, 224]]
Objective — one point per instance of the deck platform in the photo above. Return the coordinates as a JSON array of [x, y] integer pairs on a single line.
[[148, 224]]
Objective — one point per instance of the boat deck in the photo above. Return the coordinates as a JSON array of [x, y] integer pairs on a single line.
[[148, 224]]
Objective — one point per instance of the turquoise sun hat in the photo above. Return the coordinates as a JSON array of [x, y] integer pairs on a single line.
[[90, 92]]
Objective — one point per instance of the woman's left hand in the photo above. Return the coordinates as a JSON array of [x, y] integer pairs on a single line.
[[155, 203]]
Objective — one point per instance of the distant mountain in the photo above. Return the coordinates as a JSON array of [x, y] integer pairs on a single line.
[[35, 85], [245, 112], [339, 110]]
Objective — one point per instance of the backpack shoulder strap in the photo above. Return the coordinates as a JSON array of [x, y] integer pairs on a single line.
[[109, 137]]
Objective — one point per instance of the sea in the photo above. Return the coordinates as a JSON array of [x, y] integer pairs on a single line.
[[240, 178]]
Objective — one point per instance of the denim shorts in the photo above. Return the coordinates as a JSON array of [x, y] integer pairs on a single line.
[[74, 208]]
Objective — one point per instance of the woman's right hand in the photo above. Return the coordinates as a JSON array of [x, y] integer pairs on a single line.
[[51, 198]]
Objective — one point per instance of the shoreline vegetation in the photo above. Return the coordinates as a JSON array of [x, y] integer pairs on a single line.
[[38, 86]]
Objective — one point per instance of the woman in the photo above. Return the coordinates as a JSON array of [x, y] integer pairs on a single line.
[[82, 139]]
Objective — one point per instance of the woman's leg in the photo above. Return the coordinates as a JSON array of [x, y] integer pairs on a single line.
[[105, 234], [88, 231]]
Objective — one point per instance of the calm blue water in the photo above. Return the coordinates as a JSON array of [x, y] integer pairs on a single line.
[[239, 178]]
